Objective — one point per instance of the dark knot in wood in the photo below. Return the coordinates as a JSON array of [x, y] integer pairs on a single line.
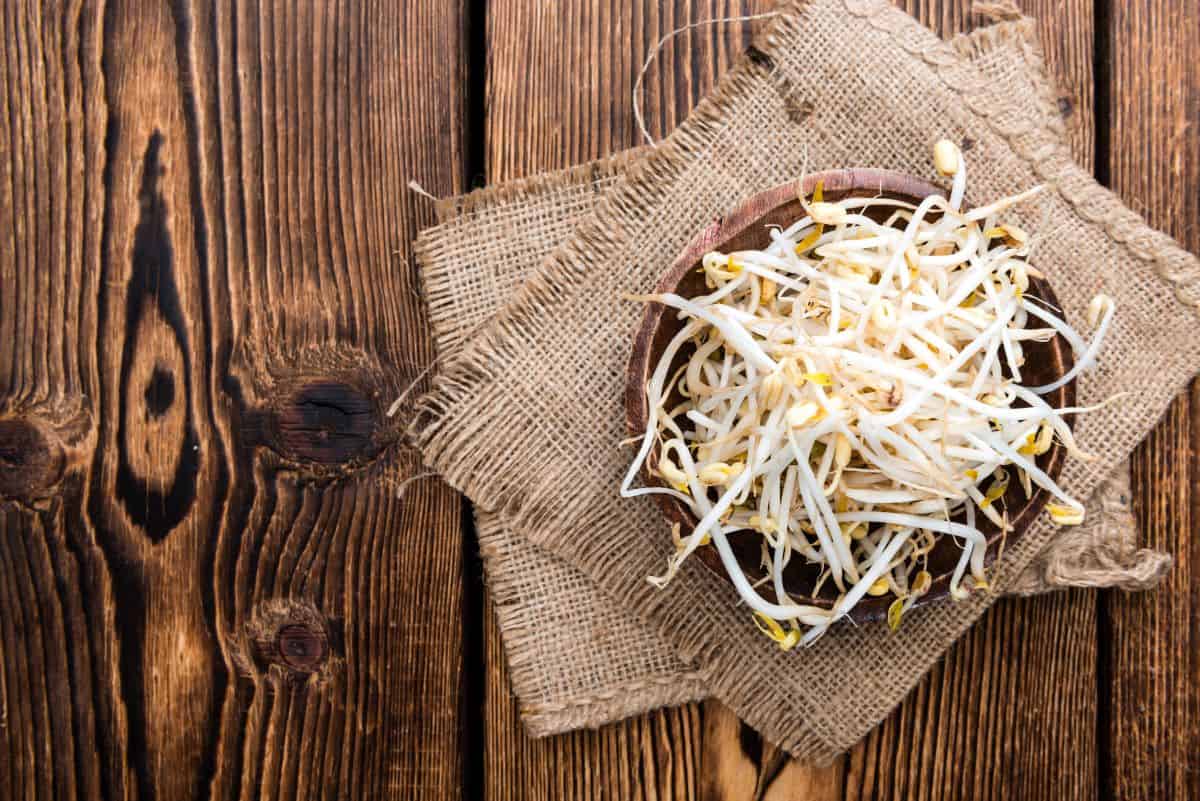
[[29, 462], [327, 422], [290, 639], [301, 647]]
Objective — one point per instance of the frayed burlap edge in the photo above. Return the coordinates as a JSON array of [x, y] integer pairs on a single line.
[[593, 173], [1107, 556], [602, 704], [429, 249]]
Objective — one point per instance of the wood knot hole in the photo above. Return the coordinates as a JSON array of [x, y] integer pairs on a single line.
[[301, 647], [29, 462], [160, 391], [327, 422]]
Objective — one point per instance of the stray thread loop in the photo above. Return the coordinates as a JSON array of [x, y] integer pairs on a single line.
[[637, 86]]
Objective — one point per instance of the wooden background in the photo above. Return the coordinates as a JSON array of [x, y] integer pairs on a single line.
[[208, 588]]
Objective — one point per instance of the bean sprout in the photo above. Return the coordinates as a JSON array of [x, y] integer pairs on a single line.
[[853, 395]]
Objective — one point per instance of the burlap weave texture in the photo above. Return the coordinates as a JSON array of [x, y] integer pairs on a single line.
[[527, 418]]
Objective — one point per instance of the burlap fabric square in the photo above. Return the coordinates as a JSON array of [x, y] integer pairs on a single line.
[[473, 263], [526, 418]]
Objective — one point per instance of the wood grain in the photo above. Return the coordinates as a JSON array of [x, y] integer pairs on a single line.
[[560, 80], [651, 757], [1009, 713], [210, 588], [1152, 670]]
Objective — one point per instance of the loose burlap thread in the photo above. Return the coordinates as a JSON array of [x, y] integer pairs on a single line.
[[527, 419]]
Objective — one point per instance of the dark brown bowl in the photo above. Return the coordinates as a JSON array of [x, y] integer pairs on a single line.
[[745, 228]]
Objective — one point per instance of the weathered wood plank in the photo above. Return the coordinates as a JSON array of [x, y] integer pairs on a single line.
[[210, 587], [1008, 713], [1152, 740], [962, 730], [58, 647], [559, 83], [653, 756]]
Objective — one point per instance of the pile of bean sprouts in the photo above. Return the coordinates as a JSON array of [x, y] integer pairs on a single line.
[[855, 395]]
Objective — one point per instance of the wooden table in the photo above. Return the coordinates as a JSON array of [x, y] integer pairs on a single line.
[[208, 588]]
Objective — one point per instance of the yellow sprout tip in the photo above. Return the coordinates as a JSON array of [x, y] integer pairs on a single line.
[[946, 157], [880, 587]]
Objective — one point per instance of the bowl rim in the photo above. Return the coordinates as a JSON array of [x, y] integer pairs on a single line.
[[750, 211]]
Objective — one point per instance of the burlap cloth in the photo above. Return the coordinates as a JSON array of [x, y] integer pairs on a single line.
[[526, 416]]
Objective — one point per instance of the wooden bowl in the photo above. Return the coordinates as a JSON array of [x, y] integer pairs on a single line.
[[745, 228]]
